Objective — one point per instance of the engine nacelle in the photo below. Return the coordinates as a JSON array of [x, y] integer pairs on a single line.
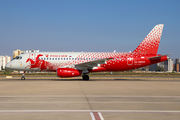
[[68, 72]]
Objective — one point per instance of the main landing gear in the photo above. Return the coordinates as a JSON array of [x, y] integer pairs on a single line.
[[23, 76], [85, 77]]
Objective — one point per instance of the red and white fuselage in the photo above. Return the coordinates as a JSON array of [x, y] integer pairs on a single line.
[[71, 64]]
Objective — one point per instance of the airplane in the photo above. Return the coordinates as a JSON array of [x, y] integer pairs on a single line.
[[73, 64]]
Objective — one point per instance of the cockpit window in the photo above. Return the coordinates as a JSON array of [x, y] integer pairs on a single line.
[[17, 58]]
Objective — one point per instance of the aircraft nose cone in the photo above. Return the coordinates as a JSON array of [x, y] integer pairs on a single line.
[[7, 66]]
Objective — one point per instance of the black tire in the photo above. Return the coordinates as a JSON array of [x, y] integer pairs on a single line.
[[22, 78], [85, 77]]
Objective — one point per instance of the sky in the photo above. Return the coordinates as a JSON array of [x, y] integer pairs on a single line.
[[87, 25]]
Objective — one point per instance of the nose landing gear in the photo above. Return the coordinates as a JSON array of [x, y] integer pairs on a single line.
[[23, 76]]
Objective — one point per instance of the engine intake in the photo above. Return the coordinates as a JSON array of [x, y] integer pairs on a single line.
[[68, 72]]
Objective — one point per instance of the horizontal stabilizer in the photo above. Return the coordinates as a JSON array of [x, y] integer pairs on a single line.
[[151, 58]]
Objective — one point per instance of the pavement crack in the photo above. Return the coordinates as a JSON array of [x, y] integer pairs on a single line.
[[86, 97]]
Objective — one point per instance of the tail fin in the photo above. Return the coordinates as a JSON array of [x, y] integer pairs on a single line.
[[150, 44]]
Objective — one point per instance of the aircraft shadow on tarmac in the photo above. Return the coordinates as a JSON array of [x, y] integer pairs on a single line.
[[91, 80], [97, 80], [113, 80], [76, 80]]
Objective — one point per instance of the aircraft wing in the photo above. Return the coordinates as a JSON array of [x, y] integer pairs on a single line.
[[91, 64], [151, 58]]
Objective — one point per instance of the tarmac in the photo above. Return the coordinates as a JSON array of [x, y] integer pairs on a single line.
[[100, 98]]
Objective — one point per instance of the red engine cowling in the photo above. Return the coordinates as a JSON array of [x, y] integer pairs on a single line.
[[68, 72]]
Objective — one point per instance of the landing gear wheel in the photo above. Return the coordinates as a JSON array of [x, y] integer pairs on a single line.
[[22, 78], [85, 77]]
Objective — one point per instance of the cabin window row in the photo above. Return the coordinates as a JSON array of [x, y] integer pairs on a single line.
[[69, 58], [75, 58]]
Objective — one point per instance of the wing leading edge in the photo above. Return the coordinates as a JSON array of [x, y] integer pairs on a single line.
[[91, 64]]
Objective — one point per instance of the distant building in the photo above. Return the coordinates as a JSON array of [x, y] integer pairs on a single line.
[[177, 61], [3, 61], [18, 52], [167, 65], [152, 67], [176, 66]]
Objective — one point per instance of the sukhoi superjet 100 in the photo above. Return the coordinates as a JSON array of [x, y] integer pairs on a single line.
[[72, 64]]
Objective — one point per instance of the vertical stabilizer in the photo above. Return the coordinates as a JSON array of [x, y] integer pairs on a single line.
[[150, 44]]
